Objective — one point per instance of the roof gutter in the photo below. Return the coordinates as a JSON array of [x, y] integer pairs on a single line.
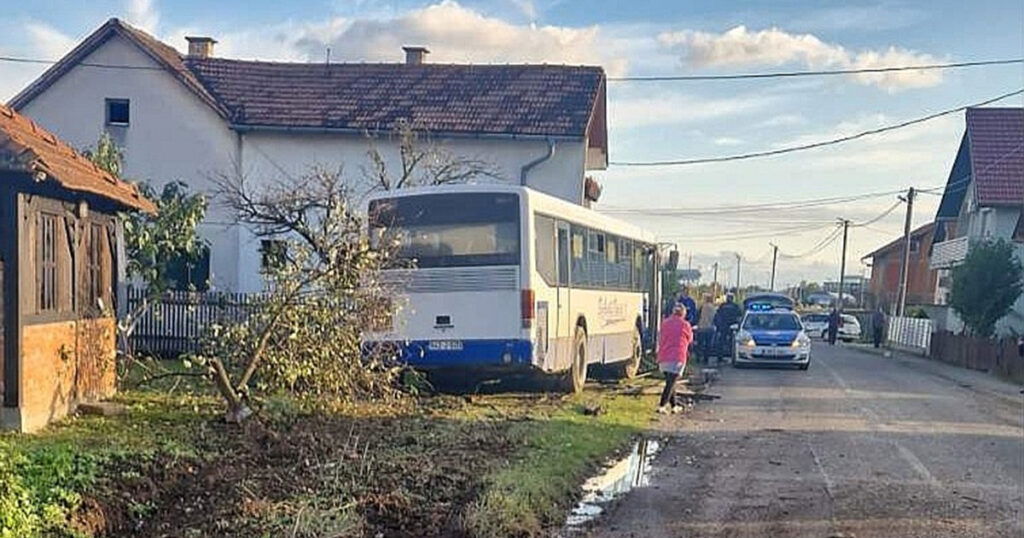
[[248, 128], [532, 164]]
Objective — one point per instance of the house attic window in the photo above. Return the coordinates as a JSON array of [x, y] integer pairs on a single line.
[[118, 112]]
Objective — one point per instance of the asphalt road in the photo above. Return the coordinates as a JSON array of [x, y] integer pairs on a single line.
[[857, 446]]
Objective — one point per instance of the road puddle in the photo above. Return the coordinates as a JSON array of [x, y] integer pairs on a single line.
[[623, 475]]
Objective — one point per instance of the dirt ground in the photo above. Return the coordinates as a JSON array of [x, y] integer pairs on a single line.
[[317, 476], [858, 446]]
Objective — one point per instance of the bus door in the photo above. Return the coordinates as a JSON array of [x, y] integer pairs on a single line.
[[654, 298], [563, 310]]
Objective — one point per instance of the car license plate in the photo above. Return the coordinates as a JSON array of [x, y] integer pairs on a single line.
[[767, 352], [445, 345]]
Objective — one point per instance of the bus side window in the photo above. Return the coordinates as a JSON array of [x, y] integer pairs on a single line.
[[546, 249], [579, 246], [563, 255]]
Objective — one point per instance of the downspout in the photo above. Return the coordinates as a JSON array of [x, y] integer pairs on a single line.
[[533, 164]]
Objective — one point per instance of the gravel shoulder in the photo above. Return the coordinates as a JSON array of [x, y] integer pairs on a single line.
[[860, 445]]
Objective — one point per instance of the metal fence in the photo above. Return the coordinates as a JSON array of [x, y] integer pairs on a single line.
[[175, 324], [911, 334]]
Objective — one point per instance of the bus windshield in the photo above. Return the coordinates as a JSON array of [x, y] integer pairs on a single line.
[[451, 230]]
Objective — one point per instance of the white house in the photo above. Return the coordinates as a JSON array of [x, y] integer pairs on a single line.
[[983, 198], [195, 117]]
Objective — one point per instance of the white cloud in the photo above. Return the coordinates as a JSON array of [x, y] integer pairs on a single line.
[[143, 14], [678, 109], [740, 47], [727, 141], [528, 7], [47, 41], [458, 34]]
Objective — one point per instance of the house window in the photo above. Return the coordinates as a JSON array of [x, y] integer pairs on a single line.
[[118, 112], [94, 266], [186, 273], [274, 253], [46, 278], [915, 246]]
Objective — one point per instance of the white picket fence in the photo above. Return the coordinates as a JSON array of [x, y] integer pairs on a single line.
[[911, 334]]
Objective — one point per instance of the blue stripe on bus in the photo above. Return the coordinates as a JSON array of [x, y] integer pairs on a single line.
[[473, 353]]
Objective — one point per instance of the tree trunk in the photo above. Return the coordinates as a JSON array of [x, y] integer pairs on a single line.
[[238, 409]]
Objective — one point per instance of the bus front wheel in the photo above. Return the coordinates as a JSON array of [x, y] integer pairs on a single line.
[[576, 377]]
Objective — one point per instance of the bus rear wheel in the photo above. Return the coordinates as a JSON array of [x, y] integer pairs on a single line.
[[576, 377], [631, 366]]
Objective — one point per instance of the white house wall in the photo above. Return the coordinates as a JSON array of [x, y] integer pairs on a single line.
[[172, 134], [270, 154]]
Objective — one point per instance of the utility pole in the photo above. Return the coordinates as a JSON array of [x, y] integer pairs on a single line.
[[842, 264], [714, 284], [901, 300], [775, 258], [739, 261]]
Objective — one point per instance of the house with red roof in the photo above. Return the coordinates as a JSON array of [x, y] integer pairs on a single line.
[[195, 117], [58, 274], [886, 264], [983, 197]]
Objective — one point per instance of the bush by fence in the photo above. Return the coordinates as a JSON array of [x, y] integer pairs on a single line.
[[1000, 357], [175, 324]]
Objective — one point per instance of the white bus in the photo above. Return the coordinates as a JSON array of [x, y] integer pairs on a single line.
[[508, 279]]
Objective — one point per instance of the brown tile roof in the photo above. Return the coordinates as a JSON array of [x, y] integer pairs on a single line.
[[34, 149], [996, 138], [551, 100], [518, 100]]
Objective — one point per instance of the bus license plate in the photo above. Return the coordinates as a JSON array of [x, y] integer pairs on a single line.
[[445, 345]]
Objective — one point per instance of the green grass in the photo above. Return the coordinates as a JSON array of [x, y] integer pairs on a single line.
[[560, 451], [42, 476]]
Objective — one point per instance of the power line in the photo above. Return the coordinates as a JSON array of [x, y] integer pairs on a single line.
[[816, 73], [750, 208], [884, 214], [814, 145], [14, 59], [656, 78]]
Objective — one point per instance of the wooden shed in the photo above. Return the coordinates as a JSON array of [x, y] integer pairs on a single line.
[[59, 244]]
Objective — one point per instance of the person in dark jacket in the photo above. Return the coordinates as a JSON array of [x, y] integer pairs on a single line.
[[877, 326], [692, 314], [728, 314], [833, 326]]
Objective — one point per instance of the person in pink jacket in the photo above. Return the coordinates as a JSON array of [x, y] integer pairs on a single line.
[[673, 348]]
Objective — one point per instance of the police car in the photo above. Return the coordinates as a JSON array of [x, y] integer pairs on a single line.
[[769, 335]]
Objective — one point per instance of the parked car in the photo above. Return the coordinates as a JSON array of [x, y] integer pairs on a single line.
[[849, 329], [816, 325], [773, 337]]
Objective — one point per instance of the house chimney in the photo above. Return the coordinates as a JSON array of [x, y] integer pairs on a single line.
[[415, 55], [200, 47]]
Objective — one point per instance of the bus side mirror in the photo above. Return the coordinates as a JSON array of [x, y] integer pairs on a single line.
[[673, 261]]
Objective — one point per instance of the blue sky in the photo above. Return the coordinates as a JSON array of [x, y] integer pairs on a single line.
[[659, 120]]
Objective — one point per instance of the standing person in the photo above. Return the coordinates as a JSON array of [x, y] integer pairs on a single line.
[[706, 328], [877, 326], [833, 326], [674, 340], [728, 314], [691, 306]]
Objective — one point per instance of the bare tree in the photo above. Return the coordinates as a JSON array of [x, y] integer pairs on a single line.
[[421, 162]]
